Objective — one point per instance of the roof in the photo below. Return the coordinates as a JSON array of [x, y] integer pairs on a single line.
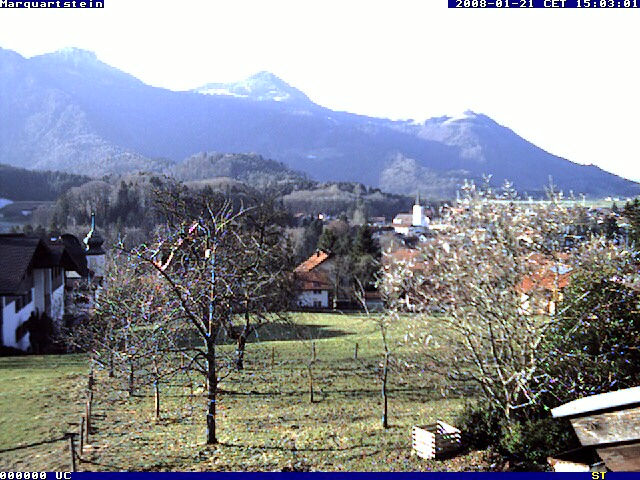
[[403, 219], [312, 262], [595, 403], [74, 257], [19, 253], [548, 275], [407, 256], [312, 281]]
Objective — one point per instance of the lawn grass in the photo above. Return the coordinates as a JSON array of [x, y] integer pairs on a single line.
[[39, 397], [265, 420]]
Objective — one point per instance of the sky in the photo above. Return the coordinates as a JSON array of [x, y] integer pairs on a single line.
[[564, 79]]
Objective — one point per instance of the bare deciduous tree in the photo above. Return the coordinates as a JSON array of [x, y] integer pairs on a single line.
[[485, 294], [217, 268]]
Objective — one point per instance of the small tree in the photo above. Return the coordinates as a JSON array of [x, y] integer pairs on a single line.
[[382, 321]]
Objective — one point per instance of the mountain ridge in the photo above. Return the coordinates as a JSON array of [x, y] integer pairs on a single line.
[[73, 112]]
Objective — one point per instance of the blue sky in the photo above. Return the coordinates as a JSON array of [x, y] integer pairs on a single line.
[[564, 79]]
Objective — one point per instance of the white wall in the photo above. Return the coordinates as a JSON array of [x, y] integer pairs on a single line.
[[96, 263], [307, 298], [57, 303], [12, 320]]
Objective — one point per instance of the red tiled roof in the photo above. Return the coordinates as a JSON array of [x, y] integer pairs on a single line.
[[547, 279], [407, 256], [312, 262]]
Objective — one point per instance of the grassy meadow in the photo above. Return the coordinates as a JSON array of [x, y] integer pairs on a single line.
[[265, 419]]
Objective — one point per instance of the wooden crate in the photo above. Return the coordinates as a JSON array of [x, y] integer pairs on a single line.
[[435, 441]]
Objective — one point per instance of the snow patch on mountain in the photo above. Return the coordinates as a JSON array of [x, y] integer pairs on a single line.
[[263, 86]]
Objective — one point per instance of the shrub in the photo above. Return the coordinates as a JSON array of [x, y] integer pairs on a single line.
[[480, 425], [530, 441]]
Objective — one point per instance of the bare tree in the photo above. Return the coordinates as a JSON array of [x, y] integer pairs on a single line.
[[211, 269], [264, 286], [382, 321], [484, 292]]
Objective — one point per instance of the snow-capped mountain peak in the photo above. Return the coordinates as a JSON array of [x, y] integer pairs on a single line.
[[263, 86]]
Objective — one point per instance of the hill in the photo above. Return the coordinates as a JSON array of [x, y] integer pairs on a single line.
[[70, 111], [247, 168], [20, 184]]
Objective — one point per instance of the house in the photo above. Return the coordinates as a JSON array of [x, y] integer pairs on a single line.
[[542, 288], [32, 287], [313, 281]]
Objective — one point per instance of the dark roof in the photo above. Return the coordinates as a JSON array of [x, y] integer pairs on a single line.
[[74, 254], [19, 253]]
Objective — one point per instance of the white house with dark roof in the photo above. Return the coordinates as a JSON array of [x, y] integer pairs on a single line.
[[32, 285]]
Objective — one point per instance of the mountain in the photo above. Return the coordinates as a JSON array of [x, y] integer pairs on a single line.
[[262, 86], [69, 111]]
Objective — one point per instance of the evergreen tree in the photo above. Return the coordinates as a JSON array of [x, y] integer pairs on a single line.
[[632, 212]]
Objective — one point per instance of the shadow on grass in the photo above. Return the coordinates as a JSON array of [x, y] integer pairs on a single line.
[[278, 333], [293, 448]]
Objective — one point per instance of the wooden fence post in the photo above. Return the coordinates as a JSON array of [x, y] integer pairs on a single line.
[[87, 414], [72, 448], [273, 356], [355, 352], [81, 433]]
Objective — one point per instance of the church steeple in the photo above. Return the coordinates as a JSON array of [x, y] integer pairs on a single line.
[[94, 252], [94, 240]]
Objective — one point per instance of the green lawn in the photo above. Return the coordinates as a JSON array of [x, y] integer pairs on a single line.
[[265, 419]]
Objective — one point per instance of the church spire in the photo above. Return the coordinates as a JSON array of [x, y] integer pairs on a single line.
[[94, 240], [418, 198]]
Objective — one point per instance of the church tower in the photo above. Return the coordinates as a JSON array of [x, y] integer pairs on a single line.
[[418, 219], [94, 251]]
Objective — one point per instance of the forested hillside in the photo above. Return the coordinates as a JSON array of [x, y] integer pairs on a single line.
[[21, 184]]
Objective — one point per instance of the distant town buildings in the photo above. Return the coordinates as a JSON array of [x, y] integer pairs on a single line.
[[412, 223]]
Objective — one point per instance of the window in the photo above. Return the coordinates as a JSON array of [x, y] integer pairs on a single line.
[[317, 292], [316, 284], [317, 303]]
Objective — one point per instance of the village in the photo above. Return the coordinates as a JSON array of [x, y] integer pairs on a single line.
[[53, 286]]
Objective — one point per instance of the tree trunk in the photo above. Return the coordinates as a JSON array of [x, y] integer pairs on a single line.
[[240, 348], [310, 378], [111, 364], [156, 390], [385, 409], [131, 378], [156, 397], [212, 377]]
